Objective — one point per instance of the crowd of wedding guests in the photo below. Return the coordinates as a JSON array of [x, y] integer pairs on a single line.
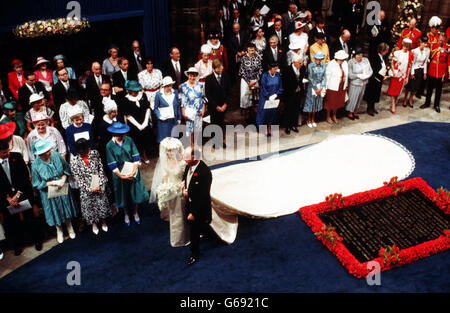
[[82, 140]]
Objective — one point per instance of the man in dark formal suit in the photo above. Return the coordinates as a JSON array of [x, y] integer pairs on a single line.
[[319, 28], [373, 89], [197, 180], [15, 187], [352, 17], [236, 45], [93, 85], [227, 11], [174, 67], [277, 30], [217, 91], [378, 33], [30, 87], [342, 43], [289, 16], [136, 59], [237, 18], [294, 91], [59, 90], [274, 54], [120, 77]]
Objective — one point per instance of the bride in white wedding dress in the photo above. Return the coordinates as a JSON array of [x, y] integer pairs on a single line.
[[166, 190]]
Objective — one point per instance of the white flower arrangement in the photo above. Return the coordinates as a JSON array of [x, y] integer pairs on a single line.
[[166, 192]]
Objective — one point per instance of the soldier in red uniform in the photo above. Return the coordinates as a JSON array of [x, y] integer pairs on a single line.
[[411, 33], [438, 71], [433, 36]]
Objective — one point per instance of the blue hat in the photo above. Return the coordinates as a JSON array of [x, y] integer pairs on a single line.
[[319, 55], [41, 146], [359, 50], [10, 105], [59, 57], [118, 128], [133, 85]]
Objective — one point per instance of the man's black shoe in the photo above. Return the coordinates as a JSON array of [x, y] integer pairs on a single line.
[[295, 129], [438, 109], [18, 251], [38, 246], [424, 106]]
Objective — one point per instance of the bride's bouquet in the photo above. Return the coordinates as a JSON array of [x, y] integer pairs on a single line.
[[166, 192]]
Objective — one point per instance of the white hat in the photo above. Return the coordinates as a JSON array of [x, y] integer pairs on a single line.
[[295, 45], [299, 25], [41, 60], [407, 40], [191, 70], [36, 97], [109, 105], [74, 110], [301, 15], [341, 55], [167, 81], [435, 21], [206, 49]]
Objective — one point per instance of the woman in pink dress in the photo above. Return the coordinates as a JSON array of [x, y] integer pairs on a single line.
[[45, 76], [401, 67]]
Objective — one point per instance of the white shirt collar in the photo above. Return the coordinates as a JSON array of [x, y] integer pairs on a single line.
[[108, 120]]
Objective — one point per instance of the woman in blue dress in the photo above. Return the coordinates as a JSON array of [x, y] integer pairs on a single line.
[[271, 87], [167, 109], [316, 88], [192, 103], [51, 170]]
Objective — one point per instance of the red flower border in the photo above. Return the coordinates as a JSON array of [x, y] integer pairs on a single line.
[[310, 215]]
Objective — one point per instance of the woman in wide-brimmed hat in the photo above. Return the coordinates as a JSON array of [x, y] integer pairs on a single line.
[[136, 109], [167, 109], [204, 65], [37, 104], [50, 170], [129, 188], [43, 73], [192, 103]]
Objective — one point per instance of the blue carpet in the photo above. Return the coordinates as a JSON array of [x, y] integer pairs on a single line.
[[276, 255]]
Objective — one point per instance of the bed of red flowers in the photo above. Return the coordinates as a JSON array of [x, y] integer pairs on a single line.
[[389, 257]]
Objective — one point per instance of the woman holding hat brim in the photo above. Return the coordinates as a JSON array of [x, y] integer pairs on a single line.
[[129, 190], [336, 85], [193, 107], [204, 65], [167, 99], [271, 87], [50, 169], [60, 62], [359, 72], [136, 109], [45, 132], [37, 104], [401, 68], [418, 70], [316, 88]]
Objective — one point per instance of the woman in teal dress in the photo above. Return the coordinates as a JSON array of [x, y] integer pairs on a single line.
[[51, 170], [271, 87], [316, 88], [129, 190]]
